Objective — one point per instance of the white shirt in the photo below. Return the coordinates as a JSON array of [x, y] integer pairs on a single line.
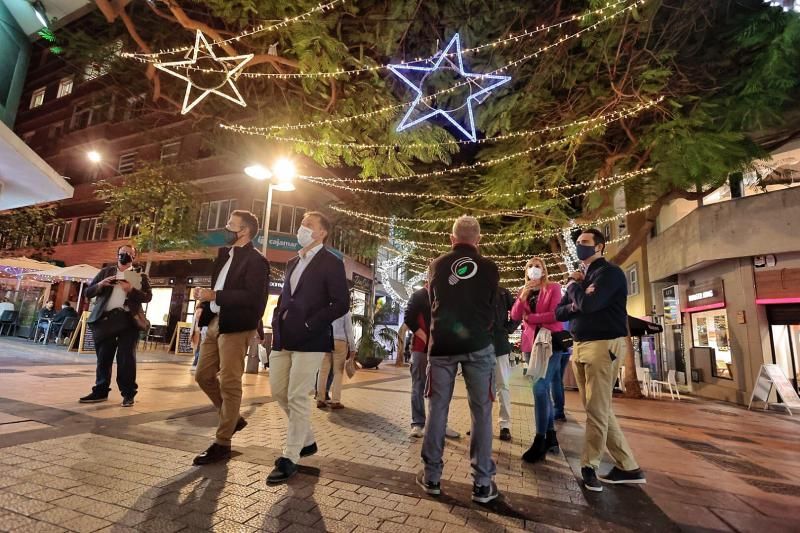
[[220, 284], [343, 330], [117, 298], [301, 265]]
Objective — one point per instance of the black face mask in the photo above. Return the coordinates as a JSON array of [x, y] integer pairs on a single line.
[[231, 236], [125, 258]]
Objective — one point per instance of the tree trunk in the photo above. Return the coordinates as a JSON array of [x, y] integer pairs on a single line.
[[152, 249], [632, 388]]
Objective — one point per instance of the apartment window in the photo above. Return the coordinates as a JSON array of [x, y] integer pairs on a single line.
[[170, 151], [135, 107], [86, 114], [127, 162], [285, 218], [258, 210], [93, 70], [214, 215], [27, 137], [633, 280], [37, 98], [91, 229], [65, 86], [57, 232], [126, 231], [56, 130]]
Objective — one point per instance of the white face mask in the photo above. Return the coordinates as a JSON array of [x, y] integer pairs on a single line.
[[305, 236], [535, 273]]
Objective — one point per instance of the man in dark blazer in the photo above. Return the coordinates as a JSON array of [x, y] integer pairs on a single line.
[[315, 293], [113, 327], [232, 311]]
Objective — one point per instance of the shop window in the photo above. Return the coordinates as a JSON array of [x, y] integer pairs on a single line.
[[37, 98], [91, 229], [127, 162], [214, 215], [710, 330], [170, 151], [65, 86], [157, 309], [633, 280]]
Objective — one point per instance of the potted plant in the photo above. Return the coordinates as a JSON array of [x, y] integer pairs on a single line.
[[374, 338]]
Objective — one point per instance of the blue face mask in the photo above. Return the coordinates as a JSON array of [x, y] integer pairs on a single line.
[[585, 251]]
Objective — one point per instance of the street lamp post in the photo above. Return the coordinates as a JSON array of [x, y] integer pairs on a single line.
[[280, 179]]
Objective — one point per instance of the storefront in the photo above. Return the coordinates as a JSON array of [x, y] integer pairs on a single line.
[[778, 289], [672, 344], [708, 320]]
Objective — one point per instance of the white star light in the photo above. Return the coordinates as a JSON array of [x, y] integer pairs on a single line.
[[472, 79], [240, 61]]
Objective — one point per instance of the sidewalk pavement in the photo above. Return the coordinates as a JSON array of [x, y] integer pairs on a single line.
[[72, 467]]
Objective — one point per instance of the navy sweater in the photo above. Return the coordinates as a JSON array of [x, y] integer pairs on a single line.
[[601, 315]]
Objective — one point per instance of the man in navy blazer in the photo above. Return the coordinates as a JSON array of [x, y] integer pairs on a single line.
[[315, 293]]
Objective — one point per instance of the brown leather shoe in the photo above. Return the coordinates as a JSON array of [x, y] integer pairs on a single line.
[[336, 405], [321, 405]]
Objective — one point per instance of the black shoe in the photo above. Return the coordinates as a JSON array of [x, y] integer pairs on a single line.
[[240, 425], [560, 418], [434, 489], [537, 451], [624, 477], [127, 402], [214, 454], [590, 480], [94, 398], [284, 469], [309, 450], [484, 494], [551, 442], [505, 434]]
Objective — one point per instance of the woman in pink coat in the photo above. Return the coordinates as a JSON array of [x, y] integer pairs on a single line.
[[536, 306]]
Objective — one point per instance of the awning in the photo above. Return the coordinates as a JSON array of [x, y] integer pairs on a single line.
[[15, 266], [25, 178], [640, 328], [70, 273]]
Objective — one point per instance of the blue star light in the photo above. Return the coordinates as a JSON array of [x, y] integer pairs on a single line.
[[472, 79]]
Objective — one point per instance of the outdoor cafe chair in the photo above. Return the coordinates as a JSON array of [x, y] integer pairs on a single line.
[[8, 322]]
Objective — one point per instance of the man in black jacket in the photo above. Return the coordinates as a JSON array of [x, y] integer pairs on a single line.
[[463, 287], [315, 293], [231, 311], [503, 327], [113, 328], [595, 304]]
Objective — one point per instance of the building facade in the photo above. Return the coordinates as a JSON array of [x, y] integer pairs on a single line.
[[68, 114]]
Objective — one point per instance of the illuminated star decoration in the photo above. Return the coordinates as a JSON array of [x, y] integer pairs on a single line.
[[230, 73], [472, 78]]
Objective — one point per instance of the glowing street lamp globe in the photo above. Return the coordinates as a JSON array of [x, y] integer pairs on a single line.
[[259, 172], [94, 156]]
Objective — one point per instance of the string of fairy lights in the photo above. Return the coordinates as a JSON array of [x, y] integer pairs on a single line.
[[599, 184], [600, 120], [261, 28]]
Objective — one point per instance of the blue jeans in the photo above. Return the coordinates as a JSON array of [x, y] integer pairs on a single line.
[[558, 386], [543, 405]]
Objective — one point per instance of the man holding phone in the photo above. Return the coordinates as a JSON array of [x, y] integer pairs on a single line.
[[115, 332]]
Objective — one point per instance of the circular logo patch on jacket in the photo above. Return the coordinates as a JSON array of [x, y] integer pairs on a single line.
[[463, 268]]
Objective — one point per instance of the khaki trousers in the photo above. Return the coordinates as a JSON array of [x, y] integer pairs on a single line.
[[595, 371], [336, 359], [219, 373], [291, 377]]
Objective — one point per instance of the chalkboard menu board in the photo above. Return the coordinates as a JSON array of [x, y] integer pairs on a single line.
[[83, 336], [183, 339]]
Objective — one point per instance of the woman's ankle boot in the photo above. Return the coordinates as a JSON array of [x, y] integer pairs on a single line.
[[551, 442], [537, 451]]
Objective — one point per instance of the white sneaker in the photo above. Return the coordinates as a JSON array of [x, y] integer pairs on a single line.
[[451, 433], [417, 432]]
